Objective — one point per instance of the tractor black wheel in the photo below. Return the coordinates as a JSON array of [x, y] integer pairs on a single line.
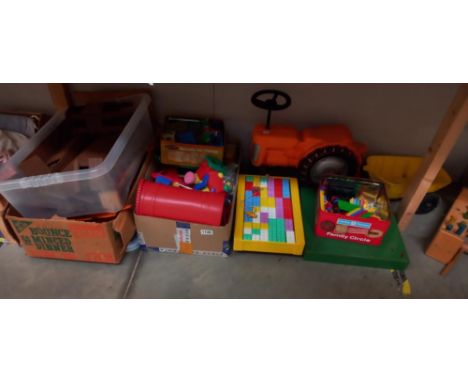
[[429, 203], [332, 160]]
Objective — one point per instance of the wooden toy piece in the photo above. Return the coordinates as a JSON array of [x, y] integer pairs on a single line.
[[96, 152], [449, 240], [268, 216], [110, 200], [461, 228], [187, 141], [450, 223], [448, 267], [33, 165], [444, 246]]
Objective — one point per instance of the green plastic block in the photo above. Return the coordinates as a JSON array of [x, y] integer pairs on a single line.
[[280, 231], [271, 229], [247, 236], [346, 206]]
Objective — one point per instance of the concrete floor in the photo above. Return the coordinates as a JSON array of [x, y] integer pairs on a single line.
[[243, 275]]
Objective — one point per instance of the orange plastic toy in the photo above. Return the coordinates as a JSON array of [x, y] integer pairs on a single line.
[[317, 151]]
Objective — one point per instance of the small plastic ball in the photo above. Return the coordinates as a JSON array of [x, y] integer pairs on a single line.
[[190, 177]]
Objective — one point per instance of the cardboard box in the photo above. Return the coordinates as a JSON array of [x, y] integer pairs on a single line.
[[341, 226], [60, 238], [170, 236], [6, 233], [187, 155], [103, 240]]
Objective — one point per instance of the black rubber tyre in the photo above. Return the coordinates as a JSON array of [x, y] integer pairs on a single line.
[[342, 154], [430, 201]]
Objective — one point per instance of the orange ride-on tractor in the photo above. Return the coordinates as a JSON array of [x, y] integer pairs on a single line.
[[315, 152]]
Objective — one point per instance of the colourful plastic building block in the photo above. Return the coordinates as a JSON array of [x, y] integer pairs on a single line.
[[269, 217]]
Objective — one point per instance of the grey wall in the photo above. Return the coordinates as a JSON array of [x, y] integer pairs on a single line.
[[390, 118]]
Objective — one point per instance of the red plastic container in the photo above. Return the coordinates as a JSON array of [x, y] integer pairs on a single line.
[[339, 226], [169, 202]]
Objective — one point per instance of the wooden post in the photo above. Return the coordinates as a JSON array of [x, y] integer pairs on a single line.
[[450, 128], [60, 96]]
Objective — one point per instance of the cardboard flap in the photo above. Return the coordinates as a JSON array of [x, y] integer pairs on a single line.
[[34, 165], [124, 225], [5, 229]]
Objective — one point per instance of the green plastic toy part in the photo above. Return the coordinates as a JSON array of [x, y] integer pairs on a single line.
[[346, 206], [216, 164]]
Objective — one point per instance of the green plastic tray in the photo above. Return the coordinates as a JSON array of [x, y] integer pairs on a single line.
[[391, 254]]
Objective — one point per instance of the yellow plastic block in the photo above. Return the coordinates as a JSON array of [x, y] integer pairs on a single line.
[[322, 200]]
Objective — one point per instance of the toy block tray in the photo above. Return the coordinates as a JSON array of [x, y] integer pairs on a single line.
[[391, 254], [268, 215]]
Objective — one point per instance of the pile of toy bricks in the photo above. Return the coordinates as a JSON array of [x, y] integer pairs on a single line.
[[187, 206], [352, 209]]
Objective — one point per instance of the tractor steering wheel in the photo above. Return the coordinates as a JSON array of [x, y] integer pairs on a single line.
[[272, 103]]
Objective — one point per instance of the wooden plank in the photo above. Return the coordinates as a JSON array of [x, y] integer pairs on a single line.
[[60, 96], [83, 97], [450, 128], [448, 267], [444, 247]]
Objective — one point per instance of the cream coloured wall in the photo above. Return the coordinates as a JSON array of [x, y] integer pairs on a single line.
[[390, 118]]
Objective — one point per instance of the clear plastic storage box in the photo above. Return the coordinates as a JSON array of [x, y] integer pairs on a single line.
[[103, 188]]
